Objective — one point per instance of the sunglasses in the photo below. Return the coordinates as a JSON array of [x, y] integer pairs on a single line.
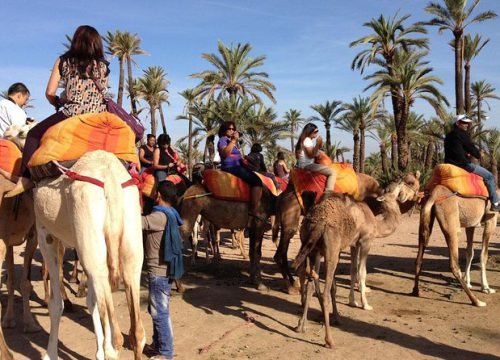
[[231, 128]]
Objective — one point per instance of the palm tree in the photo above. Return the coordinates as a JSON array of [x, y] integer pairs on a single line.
[[294, 121], [412, 76], [383, 130], [190, 96], [124, 46], [492, 141], [327, 115], [387, 38], [260, 126], [434, 132], [454, 16], [234, 74], [480, 91], [472, 48], [153, 89]]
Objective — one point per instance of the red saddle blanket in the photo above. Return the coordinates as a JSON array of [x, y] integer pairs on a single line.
[[10, 157], [345, 183], [457, 180], [226, 186], [149, 182], [73, 137]]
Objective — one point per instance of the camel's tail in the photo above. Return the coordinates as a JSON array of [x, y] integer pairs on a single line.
[[113, 227], [427, 215], [310, 234]]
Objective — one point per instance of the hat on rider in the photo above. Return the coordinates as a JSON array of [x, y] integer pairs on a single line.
[[462, 118]]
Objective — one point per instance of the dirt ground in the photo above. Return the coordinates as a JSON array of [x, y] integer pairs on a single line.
[[211, 314]]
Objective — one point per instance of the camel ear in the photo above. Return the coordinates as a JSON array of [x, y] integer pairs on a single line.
[[417, 174]]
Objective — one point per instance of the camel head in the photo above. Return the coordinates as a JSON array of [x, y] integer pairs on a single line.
[[403, 189], [18, 133]]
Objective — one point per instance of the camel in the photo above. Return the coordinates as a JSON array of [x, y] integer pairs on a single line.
[[103, 224], [288, 211], [228, 215], [337, 222], [453, 213]]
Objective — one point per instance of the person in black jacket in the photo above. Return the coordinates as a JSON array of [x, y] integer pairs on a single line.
[[458, 148]]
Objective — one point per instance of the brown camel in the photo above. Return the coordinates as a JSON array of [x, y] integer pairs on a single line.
[[453, 213], [288, 211], [338, 222], [228, 215]]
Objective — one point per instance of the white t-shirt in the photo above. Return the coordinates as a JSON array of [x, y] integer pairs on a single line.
[[305, 160], [10, 113]]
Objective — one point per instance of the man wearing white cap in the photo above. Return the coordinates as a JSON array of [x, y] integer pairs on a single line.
[[458, 148]]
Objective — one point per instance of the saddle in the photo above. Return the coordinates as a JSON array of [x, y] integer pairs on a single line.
[[457, 180], [70, 139], [226, 186], [149, 182], [10, 157], [345, 183]]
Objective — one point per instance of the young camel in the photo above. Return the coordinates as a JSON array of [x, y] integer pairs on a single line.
[[338, 222], [453, 213], [288, 211], [104, 226], [228, 215]]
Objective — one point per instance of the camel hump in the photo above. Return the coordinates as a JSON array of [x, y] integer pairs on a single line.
[[10, 157], [457, 180]]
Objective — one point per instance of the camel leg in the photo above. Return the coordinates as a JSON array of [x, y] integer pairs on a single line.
[[68, 305], [307, 295], [363, 255], [489, 228], [9, 319], [46, 284], [427, 217], [195, 239], [281, 258], [452, 241], [354, 275], [82, 286], [96, 319], [30, 324], [74, 274], [240, 238], [256, 233], [48, 247], [4, 349], [470, 255], [215, 245]]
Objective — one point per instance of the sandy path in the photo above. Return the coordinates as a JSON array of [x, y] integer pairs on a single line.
[[440, 324]]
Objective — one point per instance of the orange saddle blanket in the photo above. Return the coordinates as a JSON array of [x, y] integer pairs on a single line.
[[457, 180], [149, 181], [10, 157], [345, 183], [226, 186], [73, 137]]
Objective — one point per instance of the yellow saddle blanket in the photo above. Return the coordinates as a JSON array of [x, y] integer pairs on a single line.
[[10, 157], [73, 137], [458, 180]]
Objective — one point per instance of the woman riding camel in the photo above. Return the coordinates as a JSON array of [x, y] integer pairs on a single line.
[[230, 162], [166, 160], [279, 167], [76, 68], [146, 152], [307, 148]]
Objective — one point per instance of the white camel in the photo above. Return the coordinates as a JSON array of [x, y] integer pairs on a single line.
[[103, 224]]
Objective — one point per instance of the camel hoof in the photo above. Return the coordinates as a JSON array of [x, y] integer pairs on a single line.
[[368, 289], [32, 328], [415, 292], [329, 345], [353, 303], [337, 321], [262, 287], [488, 291], [9, 323], [299, 329], [480, 303], [367, 307], [181, 290]]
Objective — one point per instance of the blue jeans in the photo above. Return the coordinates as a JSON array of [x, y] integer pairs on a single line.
[[488, 178], [159, 299]]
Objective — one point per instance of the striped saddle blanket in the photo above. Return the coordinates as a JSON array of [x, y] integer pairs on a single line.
[[345, 183], [73, 137], [149, 182], [226, 186], [457, 180], [10, 157]]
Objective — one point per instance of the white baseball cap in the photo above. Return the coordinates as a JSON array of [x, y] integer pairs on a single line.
[[462, 118]]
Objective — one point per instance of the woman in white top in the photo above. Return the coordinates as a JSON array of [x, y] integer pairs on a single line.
[[307, 148]]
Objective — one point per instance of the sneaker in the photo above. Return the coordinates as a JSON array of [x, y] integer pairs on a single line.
[[495, 207]]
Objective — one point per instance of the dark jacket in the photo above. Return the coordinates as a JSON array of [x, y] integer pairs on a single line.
[[457, 144]]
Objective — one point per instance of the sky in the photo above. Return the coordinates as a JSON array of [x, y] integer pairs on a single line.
[[306, 45]]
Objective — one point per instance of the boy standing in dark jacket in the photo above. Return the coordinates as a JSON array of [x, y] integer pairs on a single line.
[[458, 148]]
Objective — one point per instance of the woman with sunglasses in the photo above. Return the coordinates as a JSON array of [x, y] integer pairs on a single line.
[[307, 148], [230, 162]]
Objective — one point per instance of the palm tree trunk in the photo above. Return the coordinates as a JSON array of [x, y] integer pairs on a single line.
[[190, 144], [403, 153], [292, 131], [478, 111], [383, 157], [162, 118], [131, 92], [468, 106], [328, 135], [429, 156], [361, 150], [152, 111], [355, 155], [394, 151], [121, 81], [459, 90]]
